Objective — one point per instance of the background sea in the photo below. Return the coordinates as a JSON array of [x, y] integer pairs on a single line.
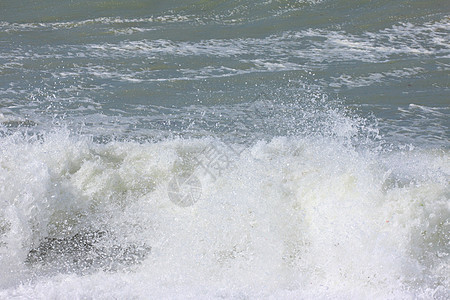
[[224, 149]]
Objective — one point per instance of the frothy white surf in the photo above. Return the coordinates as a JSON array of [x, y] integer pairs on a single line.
[[289, 217], [294, 50]]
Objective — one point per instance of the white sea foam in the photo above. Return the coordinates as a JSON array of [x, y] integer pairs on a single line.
[[289, 50], [349, 81], [407, 39], [297, 217], [12, 27]]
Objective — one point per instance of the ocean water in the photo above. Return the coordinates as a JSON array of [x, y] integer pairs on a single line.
[[219, 149]]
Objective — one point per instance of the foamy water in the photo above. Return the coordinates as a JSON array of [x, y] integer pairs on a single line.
[[288, 218]]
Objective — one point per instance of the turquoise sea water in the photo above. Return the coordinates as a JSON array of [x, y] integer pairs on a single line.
[[224, 149]]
